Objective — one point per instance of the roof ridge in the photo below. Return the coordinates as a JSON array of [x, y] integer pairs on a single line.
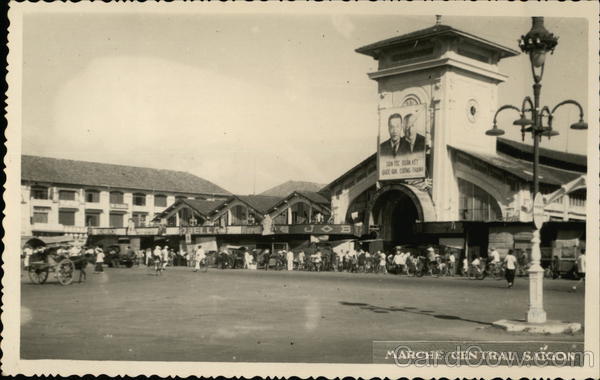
[[106, 163], [93, 173]]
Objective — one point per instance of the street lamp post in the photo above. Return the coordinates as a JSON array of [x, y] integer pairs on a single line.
[[536, 43]]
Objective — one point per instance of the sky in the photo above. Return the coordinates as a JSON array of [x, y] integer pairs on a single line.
[[247, 101]]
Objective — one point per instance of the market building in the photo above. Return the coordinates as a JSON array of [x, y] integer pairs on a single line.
[[66, 197], [251, 221], [437, 178]]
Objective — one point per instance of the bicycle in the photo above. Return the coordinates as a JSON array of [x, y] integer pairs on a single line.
[[155, 265], [496, 270], [476, 273]]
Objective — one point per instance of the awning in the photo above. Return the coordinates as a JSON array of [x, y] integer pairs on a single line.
[[47, 241]]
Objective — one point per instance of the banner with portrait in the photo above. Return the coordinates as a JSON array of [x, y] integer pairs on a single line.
[[402, 142]]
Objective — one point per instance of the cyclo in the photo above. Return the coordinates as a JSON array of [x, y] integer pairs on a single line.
[[46, 258]]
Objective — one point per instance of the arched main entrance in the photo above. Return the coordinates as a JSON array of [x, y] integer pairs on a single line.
[[396, 208], [395, 213]]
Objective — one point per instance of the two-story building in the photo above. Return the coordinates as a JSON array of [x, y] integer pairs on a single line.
[[66, 197]]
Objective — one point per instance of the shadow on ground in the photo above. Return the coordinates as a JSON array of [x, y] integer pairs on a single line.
[[410, 309]]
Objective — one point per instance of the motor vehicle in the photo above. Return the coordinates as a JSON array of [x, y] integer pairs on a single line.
[[116, 258]]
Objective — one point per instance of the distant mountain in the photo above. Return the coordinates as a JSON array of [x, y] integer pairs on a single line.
[[290, 186]]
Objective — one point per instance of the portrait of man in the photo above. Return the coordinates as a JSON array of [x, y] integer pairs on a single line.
[[391, 147], [411, 141]]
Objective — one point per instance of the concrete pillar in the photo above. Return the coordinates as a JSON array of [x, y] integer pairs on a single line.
[[536, 313]]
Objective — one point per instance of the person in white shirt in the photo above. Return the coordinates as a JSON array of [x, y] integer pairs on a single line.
[[290, 260], [301, 258], [165, 257], [495, 256], [465, 268], [27, 252], [510, 261], [157, 258], [398, 262], [99, 259], [476, 263], [382, 266], [247, 259], [580, 262], [452, 264], [368, 260], [198, 257], [74, 251]]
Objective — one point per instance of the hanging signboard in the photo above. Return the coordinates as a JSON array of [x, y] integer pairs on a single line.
[[401, 150]]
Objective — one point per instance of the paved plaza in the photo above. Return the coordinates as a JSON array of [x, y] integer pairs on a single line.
[[240, 315]]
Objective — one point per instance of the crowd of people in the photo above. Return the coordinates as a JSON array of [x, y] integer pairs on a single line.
[[400, 262]]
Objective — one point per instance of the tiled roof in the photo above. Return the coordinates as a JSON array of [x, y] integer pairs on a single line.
[[204, 207], [571, 161], [261, 203], [435, 30], [54, 170], [315, 197], [286, 188], [523, 169]]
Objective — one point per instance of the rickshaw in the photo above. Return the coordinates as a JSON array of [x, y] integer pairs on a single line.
[[46, 258]]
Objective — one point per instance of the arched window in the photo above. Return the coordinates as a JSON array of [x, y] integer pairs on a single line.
[[476, 204], [239, 215], [411, 100]]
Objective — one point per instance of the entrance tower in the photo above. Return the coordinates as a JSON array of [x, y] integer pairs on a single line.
[[442, 82]]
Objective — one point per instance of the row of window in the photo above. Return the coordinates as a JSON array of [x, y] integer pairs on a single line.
[[93, 196], [92, 218]]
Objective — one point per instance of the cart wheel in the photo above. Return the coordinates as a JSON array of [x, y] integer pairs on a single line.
[[64, 271], [38, 276]]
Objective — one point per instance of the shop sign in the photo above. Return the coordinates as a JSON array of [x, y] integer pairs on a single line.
[[203, 230], [146, 231], [107, 231], [188, 238]]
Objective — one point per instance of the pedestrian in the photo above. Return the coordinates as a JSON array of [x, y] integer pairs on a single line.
[[301, 258], [74, 251], [382, 262], [81, 264], [431, 261], [398, 261], [465, 267], [27, 252], [267, 259], [165, 257], [361, 261], [290, 260], [318, 260], [99, 259], [368, 261], [148, 255], [199, 257], [510, 261], [580, 262], [452, 264]]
